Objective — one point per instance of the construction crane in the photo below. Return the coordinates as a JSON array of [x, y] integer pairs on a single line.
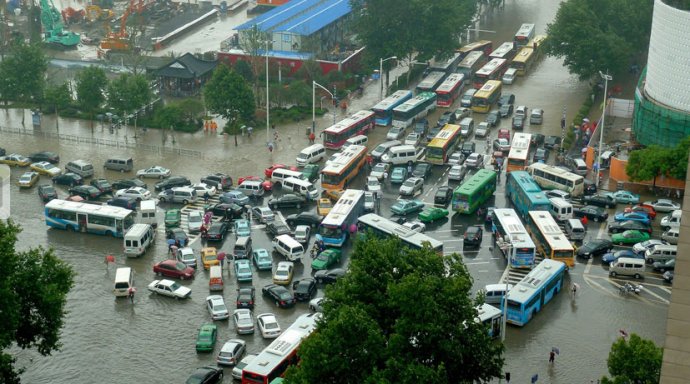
[[120, 40], [54, 33]]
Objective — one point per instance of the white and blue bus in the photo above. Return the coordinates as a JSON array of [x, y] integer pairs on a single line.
[[334, 229], [431, 82], [385, 228], [492, 317], [383, 111], [534, 291], [411, 110], [88, 218], [512, 238]]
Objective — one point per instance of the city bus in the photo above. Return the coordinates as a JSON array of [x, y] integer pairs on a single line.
[[272, 362], [441, 146], [537, 42], [550, 177], [492, 318], [471, 64], [431, 82], [357, 124], [88, 218], [550, 240], [518, 157], [334, 229], [524, 34], [486, 96], [419, 106], [534, 291], [525, 194], [345, 167], [474, 192], [484, 46], [448, 66], [450, 89], [523, 60], [512, 238], [493, 70], [383, 111], [505, 51], [385, 228]]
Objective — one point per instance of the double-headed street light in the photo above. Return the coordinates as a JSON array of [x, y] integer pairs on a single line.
[[597, 160], [268, 102], [314, 84], [381, 73]]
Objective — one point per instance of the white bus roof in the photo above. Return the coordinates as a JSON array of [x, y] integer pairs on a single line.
[[343, 207], [450, 82], [344, 158], [471, 58], [349, 121], [413, 102], [491, 66], [524, 290], [487, 311], [393, 99], [526, 29], [503, 49], [395, 229], [515, 231], [555, 171], [444, 65], [431, 80], [73, 206]]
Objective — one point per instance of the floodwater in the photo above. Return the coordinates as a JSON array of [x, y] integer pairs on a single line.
[[113, 341]]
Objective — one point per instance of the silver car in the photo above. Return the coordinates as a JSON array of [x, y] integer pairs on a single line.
[[475, 160], [411, 186], [231, 352], [395, 133], [237, 370], [244, 321], [457, 172], [263, 214]]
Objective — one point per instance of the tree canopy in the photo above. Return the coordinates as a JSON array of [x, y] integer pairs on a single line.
[[22, 73], [228, 94], [653, 161], [399, 316], [128, 92], [33, 292], [91, 86], [634, 360], [600, 35]]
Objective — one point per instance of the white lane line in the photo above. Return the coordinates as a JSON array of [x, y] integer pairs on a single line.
[[647, 291], [664, 289], [589, 266], [477, 263]]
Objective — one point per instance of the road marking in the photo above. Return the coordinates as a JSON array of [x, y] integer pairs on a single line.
[[589, 266], [664, 289], [477, 263]]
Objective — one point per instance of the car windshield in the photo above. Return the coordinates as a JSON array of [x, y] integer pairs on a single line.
[[194, 218], [270, 325]]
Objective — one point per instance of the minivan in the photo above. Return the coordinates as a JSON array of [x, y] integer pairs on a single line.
[[122, 164], [147, 212], [311, 154], [574, 230], [661, 253], [356, 140], [401, 154], [288, 247], [301, 187], [466, 126], [80, 167], [215, 281], [243, 247], [561, 209], [626, 266], [671, 235], [494, 293], [138, 238], [382, 148], [124, 281], [466, 100], [281, 174], [184, 195], [578, 166], [672, 220], [509, 76], [251, 188]]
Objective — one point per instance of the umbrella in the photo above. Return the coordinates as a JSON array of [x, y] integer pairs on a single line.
[[171, 242], [586, 120], [584, 149]]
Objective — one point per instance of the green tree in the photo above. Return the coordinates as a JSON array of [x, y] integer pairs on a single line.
[[91, 87], [647, 164], [373, 319], [23, 74], [58, 97], [169, 116], [128, 93], [228, 94], [245, 70], [679, 159], [33, 293], [617, 31], [636, 360]]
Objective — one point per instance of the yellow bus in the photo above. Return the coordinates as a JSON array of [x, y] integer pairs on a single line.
[[518, 157], [523, 60], [344, 167], [486, 96], [441, 146], [549, 238], [537, 42]]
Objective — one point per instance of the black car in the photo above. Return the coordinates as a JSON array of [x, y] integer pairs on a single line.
[[177, 234], [506, 110], [276, 228], [433, 132], [245, 298], [518, 122], [286, 201], [217, 231], [103, 185], [47, 192], [493, 118], [421, 127], [219, 180], [537, 139], [329, 276], [443, 195], [226, 211], [599, 201], [280, 295], [172, 182], [489, 215], [304, 218], [468, 148], [448, 117], [590, 187], [123, 202], [622, 226], [68, 178], [422, 170], [591, 212], [304, 289], [87, 192], [541, 154], [506, 98], [473, 236], [50, 157], [128, 183], [206, 375], [596, 247], [552, 142], [3, 152]]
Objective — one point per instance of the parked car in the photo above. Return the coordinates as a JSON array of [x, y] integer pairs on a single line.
[[128, 183], [304, 218], [29, 179], [475, 160], [398, 175], [283, 273], [624, 197], [649, 244], [537, 116], [245, 298], [395, 133], [644, 209], [263, 214], [663, 266], [47, 192], [46, 168], [15, 160], [422, 170], [518, 123], [169, 288], [473, 236], [155, 172], [415, 225], [405, 207], [323, 206], [123, 202], [206, 375], [217, 308], [202, 189], [277, 228], [443, 195], [610, 257], [187, 256], [244, 321], [135, 192], [219, 180], [411, 186], [591, 212], [493, 118], [267, 185], [268, 172], [268, 325], [51, 157], [432, 214], [412, 139], [173, 217], [622, 226], [329, 276], [506, 98], [457, 172], [86, 192], [630, 236], [663, 205], [600, 201], [231, 352], [541, 154], [262, 259], [326, 259], [482, 130], [206, 338], [225, 211], [634, 216], [103, 185], [172, 182], [280, 295], [304, 289], [552, 142], [243, 270], [242, 228], [506, 110], [69, 178], [596, 247], [177, 234], [174, 269], [302, 233], [288, 200], [537, 140]]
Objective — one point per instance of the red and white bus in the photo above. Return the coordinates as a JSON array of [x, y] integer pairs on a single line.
[[358, 124], [450, 89], [493, 70], [485, 46], [281, 353]]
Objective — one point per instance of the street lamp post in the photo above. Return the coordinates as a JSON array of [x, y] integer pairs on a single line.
[[314, 84], [381, 73], [505, 247], [597, 161], [268, 103]]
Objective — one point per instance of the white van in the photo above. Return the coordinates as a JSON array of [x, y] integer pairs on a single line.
[[578, 166], [494, 293], [671, 235], [466, 126], [626, 266], [251, 188], [356, 140], [672, 220], [288, 247], [243, 247], [561, 209], [661, 253], [138, 238], [147, 213], [281, 174], [215, 281], [122, 164], [311, 154], [401, 154], [124, 280], [80, 167], [301, 187], [574, 230], [509, 76], [382, 148]]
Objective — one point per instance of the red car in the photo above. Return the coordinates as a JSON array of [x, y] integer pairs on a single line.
[[174, 268], [267, 184], [644, 208], [269, 171], [504, 134]]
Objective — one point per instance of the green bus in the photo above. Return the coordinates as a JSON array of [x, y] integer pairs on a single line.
[[474, 192]]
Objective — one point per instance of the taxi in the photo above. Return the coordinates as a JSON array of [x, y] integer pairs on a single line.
[[209, 257]]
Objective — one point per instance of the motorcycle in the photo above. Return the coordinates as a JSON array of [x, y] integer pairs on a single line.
[[630, 288]]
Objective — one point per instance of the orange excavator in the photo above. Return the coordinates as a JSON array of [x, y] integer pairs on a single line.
[[119, 40]]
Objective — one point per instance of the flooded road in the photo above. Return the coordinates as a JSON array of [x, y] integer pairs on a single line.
[[112, 341]]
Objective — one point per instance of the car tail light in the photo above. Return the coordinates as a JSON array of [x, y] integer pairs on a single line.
[[282, 303]]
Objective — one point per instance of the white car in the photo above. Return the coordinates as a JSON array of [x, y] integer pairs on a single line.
[[136, 193], [475, 160], [169, 288], [239, 367], [649, 244], [457, 172], [369, 202], [663, 205], [373, 184], [217, 308], [155, 172], [302, 233], [557, 193], [395, 133], [412, 139], [482, 129], [415, 225], [231, 352], [283, 272], [456, 158], [46, 168], [244, 321], [316, 304], [521, 110], [263, 214], [202, 189], [195, 219], [411, 186], [268, 325], [379, 169], [187, 256], [462, 112]]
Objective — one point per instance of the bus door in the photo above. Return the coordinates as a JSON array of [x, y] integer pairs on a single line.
[[81, 220]]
